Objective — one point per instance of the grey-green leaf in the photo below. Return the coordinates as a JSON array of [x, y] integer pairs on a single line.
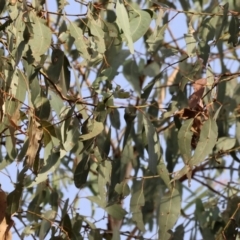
[[208, 139], [169, 212]]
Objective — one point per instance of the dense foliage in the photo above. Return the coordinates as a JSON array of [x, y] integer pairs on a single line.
[[130, 106]]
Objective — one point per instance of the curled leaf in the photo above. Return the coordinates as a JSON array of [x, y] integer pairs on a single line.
[[35, 135]]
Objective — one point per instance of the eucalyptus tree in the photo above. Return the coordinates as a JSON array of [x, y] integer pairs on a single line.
[[131, 106]]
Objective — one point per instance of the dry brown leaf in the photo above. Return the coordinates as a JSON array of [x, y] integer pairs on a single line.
[[3, 205], [5, 234], [35, 135], [198, 88], [195, 99], [200, 83]]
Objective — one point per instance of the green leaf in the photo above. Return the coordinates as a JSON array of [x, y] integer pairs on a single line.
[[79, 40], [95, 27], [184, 140], [152, 69], [115, 118], [14, 200], [96, 128], [44, 228], [123, 23], [191, 44], [154, 150], [43, 108], [156, 38], [233, 31], [164, 174], [225, 143], [52, 164], [137, 201], [116, 211], [56, 102], [131, 73], [22, 86], [169, 212], [224, 21], [104, 173], [41, 39], [129, 116], [81, 172], [140, 24], [122, 189], [208, 139], [67, 225], [13, 11], [58, 71]]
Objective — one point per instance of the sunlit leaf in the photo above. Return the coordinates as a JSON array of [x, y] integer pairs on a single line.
[[41, 39], [116, 211], [225, 143], [79, 40], [207, 140], [191, 44], [35, 135], [104, 173], [96, 128], [137, 201], [169, 212], [184, 140], [122, 189], [123, 22], [140, 24]]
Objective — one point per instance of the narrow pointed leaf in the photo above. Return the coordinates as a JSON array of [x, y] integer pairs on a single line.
[[184, 140], [136, 204], [207, 141], [81, 172], [169, 212], [123, 22], [154, 150], [79, 40]]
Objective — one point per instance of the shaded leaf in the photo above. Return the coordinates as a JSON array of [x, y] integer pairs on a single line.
[[52, 163], [154, 150], [81, 172], [233, 31], [224, 21], [67, 225], [131, 73], [14, 200]]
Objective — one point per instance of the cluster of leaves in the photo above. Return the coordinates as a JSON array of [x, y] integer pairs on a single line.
[[59, 136]]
